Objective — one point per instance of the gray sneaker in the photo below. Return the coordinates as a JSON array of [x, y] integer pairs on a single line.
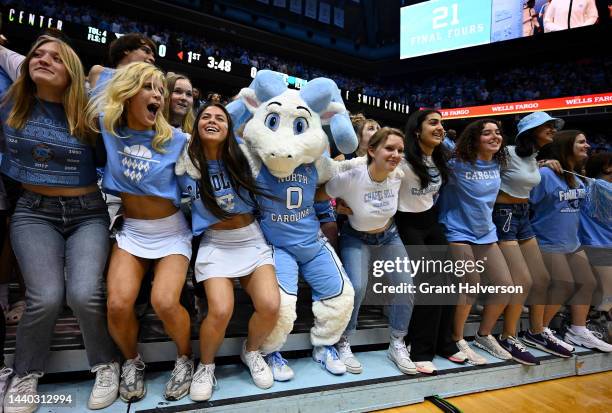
[[180, 380], [489, 344], [398, 353], [346, 355], [132, 387]]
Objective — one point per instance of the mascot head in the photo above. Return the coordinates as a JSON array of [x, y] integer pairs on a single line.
[[285, 129]]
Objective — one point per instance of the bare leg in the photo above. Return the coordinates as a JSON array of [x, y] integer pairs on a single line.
[[520, 277], [220, 298], [168, 283], [262, 287], [125, 273], [541, 282]]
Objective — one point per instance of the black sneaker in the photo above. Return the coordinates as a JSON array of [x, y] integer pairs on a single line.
[[542, 342], [517, 350]]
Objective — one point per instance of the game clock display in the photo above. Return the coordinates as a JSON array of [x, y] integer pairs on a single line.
[[13, 17]]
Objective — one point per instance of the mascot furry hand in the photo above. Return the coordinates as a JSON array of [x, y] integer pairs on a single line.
[[284, 143]]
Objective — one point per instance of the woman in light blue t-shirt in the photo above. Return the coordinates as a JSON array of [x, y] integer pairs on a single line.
[[466, 206], [555, 218], [596, 233]]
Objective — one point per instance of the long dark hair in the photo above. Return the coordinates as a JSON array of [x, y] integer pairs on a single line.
[[562, 149], [414, 154], [233, 159], [597, 164], [469, 140], [526, 143]]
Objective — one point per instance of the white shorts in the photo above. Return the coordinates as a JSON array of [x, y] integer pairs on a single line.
[[232, 253], [156, 238]]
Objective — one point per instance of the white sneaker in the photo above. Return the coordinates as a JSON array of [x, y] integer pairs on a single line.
[[21, 394], [106, 386], [459, 357], [180, 379], [279, 366], [489, 344], [203, 383], [425, 367], [587, 339], [550, 334], [5, 373], [260, 371], [472, 357], [348, 358], [328, 357], [398, 353]]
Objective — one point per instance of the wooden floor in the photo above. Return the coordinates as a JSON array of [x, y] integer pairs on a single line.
[[591, 393]]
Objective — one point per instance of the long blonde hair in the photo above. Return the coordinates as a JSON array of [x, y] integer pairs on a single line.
[[126, 83], [22, 94], [187, 124]]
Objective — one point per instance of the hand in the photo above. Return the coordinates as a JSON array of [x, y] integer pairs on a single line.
[[342, 207], [552, 164], [3, 40]]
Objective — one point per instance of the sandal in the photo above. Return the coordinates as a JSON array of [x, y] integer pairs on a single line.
[[15, 313]]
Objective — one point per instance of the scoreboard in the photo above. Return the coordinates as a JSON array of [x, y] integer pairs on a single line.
[[197, 58]]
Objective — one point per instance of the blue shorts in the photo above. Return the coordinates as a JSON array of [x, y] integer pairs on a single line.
[[316, 262], [512, 222]]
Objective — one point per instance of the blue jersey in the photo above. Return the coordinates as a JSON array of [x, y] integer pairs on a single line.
[[290, 219], [594, 232], [44, 152], [556, 212], [225, 194], [466, 201], [134, 167], [105, 76]]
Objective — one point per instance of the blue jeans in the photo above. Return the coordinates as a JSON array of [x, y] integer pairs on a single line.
[[61, 244], [356, 253], [512, 222]]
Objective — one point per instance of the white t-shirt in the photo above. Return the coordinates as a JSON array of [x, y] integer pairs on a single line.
[[373, 203], [412, 197]]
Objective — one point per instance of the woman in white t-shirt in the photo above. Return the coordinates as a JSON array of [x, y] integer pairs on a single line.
[[372, 193]]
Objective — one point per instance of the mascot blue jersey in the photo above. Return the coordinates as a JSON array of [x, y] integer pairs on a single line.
[[289, 219]]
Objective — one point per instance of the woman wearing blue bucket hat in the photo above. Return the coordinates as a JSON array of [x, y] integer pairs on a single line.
[[517, 239]]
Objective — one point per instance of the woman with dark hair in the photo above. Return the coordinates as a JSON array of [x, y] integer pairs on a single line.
[[59, 230], [216, 174], [555, 217], [517, 239], [596, 234], [371, 191], [425, 171], [466, 206]]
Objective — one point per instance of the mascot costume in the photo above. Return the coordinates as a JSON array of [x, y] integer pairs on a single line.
[[285, 145]]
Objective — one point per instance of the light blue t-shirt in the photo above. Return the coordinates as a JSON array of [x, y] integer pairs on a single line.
[[593, 231], [466, 201], [105, 76], [225, 194], [134, 167], [44, 152], [288, 217], [555, 212]]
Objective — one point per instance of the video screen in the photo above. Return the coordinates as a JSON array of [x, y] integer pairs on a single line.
[[440, 25]]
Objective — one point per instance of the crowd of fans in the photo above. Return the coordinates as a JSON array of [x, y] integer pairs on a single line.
[[518, 83]]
